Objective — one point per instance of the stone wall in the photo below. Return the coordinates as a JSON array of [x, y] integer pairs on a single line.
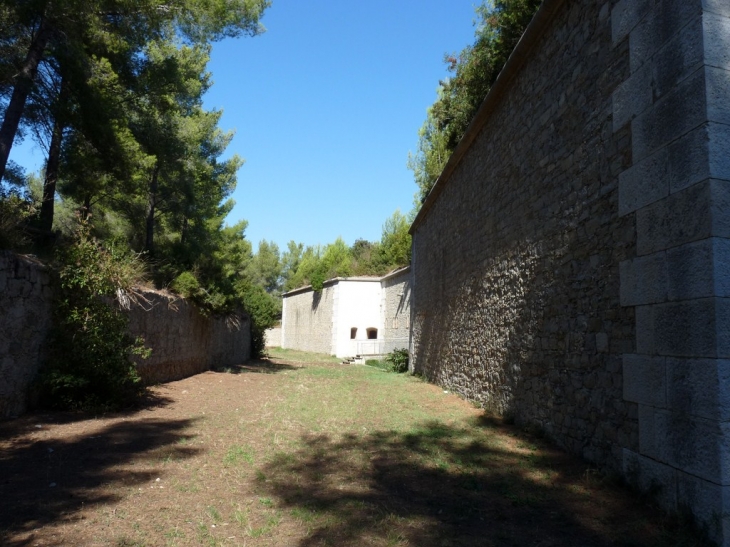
[[307, 318], [185, 342], [272, 337], [570, 265], [396, 309], [25, 321], [516, 261]]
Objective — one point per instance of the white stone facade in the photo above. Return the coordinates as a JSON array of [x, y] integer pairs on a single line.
[[350, 316]]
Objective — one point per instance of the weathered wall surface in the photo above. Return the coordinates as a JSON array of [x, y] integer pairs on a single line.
[[307, 318], [357, 305], [571, 265], [272, 337], [516, 264], [185, 342], [396, 308], [25, 321]]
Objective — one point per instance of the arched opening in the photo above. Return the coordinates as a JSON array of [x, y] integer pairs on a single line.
[[372, 334], [353, 333]]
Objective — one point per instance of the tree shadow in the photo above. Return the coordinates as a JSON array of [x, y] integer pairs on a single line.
[[259, 366], [43, 479], [440, 485]]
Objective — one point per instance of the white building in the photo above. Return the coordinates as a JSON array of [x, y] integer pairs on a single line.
[[350, 316]]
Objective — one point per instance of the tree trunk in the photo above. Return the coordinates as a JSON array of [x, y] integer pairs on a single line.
[[150, 235], [21, 89], [54, 159]]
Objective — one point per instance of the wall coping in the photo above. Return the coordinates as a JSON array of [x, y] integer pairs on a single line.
[[335, 280], [512, 67]]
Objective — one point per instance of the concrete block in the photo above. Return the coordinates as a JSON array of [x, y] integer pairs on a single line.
[[680, 218], [690, 271], [658, 27], [645, 330], [632, 97], [644, 183], [645, 379], [718, 94], [644, 280], [654, 478], [686, 328], [716, 30], [671, 117], [699, 387], [708, 502], [625, 15]]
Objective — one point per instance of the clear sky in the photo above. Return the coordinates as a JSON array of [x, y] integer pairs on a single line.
[[326, 105]]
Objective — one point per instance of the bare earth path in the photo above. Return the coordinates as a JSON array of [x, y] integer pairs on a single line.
[[303, 452]]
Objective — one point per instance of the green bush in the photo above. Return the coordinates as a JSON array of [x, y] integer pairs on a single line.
[[398, 360], [90, 365]]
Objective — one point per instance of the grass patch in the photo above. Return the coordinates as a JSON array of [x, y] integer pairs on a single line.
[[297, 356]]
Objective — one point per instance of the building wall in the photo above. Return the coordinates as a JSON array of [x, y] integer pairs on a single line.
[[396, 310], [307, 319], [358, 306], [570, 266], [272, 337]]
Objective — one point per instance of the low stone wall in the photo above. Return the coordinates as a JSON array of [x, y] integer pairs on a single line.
[[272, 337], [185, 342], [25, 321]]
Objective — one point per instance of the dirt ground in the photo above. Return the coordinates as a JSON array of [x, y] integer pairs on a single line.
[[303, 454]]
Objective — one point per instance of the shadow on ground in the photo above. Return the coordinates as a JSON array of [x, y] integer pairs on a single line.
[[260, 366], [46, 479], [439, 486]]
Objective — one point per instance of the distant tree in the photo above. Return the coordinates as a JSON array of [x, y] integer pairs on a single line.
[[290, 261], [395, 243], [266, 267]]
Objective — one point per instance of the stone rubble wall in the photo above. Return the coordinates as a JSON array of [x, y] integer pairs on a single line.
[[183, 341], [25, 322], [516, 299], [397, 310]]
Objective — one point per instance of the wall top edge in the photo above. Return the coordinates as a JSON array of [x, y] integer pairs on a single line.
[[512, 67], [356, 279]]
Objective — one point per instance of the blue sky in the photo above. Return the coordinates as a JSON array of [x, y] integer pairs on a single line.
[[326, 106]]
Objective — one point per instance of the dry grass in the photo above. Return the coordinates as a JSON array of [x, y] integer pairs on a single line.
[[297, 451]]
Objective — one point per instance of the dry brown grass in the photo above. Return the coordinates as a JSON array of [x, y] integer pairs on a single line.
[[296, 453]]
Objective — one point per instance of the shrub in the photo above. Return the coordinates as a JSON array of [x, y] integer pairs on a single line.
[[90, 365], [398, 360]]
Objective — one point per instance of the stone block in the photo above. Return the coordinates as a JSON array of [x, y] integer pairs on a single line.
[[718, 94], [644, 183], [690, 271], [686, 328], [717, 40], [699, 387], [699, 155], [658, 27], [654, 478], [719, 144], [679, 57], [680, 218], [650, 431], [645, 344], [625, 15], [708, 502], [722, 322], [644, 380], [644, 280], [720, 208], [632, 97], [721, 264], [671, 117]]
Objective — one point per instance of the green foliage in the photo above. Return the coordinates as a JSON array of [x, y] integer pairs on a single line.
[[90, 365], [475, 69], [398, 360], [15, 213], [264, 310]]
